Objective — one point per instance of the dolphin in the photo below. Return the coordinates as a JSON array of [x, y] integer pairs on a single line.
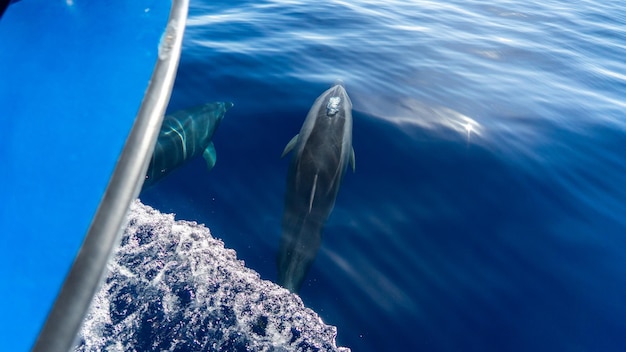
[[323, 149], [184, 135]]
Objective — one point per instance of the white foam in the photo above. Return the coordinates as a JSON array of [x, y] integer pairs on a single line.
[[173, 287]]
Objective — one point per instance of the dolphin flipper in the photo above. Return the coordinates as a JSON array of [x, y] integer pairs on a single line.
[[210, 156], [290, 145], [352, 162]]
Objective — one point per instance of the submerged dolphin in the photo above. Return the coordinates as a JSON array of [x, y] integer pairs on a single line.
[[184, 135], [323, 149]]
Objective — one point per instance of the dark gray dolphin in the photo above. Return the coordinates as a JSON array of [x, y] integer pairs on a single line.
[[184, 135], [323, 149]]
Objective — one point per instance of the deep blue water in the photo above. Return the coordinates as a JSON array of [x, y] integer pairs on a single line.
[[487, 208]]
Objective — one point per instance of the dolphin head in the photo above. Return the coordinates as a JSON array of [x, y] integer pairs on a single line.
[[214, 111], [336, 100], [208, 117]]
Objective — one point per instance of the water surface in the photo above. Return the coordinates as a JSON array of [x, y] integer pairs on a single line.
[[486, 210]]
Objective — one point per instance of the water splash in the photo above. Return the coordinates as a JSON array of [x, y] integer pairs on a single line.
[[171, 286]]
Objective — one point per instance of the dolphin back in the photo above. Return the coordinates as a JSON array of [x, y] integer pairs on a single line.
[[184, 135], [322, 149]]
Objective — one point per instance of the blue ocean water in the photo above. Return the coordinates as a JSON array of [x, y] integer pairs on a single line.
[[487, 208]]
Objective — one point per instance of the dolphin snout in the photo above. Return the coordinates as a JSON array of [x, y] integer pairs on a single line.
[[339, 82]]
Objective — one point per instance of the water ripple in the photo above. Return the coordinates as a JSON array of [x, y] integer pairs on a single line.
[[487, 203]]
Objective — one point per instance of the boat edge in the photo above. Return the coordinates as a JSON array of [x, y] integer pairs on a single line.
[[87, 272]]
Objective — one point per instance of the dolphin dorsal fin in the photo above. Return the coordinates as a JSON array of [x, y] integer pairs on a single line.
[[209, 156], [352, 162], [290, 145], [313, 193]]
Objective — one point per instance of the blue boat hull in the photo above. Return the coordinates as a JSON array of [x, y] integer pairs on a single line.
[[74, 75]]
